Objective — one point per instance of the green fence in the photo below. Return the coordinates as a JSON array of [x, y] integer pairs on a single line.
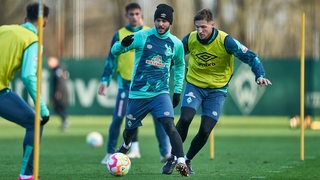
[[244, 97], [282, 98]]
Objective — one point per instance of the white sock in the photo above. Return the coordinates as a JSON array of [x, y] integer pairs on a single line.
[[25, 176], [181, 160], [135, 147], [185, 157]]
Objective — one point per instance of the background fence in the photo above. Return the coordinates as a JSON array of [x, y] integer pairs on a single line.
[[244, 97]]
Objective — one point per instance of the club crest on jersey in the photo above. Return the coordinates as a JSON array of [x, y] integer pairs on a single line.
[[156, 61], [168, 50]]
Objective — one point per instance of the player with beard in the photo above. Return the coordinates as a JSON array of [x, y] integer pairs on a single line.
[[156, 50]]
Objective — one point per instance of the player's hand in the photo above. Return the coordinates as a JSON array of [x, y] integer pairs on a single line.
[[175, 99], [263, 81], [44, 120], [127, 40], [102, 89]]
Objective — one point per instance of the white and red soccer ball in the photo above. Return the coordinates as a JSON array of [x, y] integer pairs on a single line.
[[94, 139], [118, 164]]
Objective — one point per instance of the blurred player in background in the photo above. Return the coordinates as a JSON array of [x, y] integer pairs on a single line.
[[123, 64], [59, 94], [19, 50], [210, 69]]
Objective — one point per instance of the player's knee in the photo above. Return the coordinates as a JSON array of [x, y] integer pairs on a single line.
[[187, 115], [167, 124], [129, 133], [207, 124]]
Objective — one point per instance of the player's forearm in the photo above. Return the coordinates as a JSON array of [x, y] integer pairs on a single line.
[[30, 83], [179, 72], [118, 49], [109, 69], [245, 55]]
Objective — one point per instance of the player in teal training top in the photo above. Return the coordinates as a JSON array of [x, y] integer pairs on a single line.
[[19, 50], [123, 65], [156, 50], [210, 69]]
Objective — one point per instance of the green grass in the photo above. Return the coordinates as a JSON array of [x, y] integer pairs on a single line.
[[245, 148]]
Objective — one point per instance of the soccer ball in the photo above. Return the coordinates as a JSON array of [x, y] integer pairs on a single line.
[[94, 139], [118, 164]]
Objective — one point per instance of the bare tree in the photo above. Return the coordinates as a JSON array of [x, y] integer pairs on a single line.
[[271, 28]]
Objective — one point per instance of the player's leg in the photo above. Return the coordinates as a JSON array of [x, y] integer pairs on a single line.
[[137, 109], [206, 126], [60, 109], [186, 116], [163, 111], [16, 110], [211, 109], [117, 119], [163, 140], [135, 150], [176, 144], [191, 101]]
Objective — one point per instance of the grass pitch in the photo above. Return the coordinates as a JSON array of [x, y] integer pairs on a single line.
[[245, 148]]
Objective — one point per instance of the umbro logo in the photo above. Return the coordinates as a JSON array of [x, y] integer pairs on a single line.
[[206, 56]]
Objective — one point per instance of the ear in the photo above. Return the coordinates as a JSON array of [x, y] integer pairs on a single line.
[[45, 21], [212, 23]]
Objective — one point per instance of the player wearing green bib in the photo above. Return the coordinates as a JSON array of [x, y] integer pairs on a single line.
[[19, 51], [209, 72]]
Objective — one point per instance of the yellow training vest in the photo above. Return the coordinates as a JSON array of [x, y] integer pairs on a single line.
[[126, 60], [14, 40], [210, 65]]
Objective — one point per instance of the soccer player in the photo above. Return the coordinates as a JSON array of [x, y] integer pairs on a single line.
[[123, 64], [156, 49], [59, 93], [19, 50], [210, 69]]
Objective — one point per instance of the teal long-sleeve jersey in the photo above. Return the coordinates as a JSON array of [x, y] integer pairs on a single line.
[[154, 56]]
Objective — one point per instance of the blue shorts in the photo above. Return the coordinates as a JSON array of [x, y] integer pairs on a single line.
[[160, 106], [211, 100], [15, 109]]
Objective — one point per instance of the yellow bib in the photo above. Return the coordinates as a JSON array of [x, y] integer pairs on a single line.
[[14, 40], [210, 65], [126, 60]]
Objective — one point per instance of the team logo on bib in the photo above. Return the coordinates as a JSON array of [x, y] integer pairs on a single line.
[[205, 56]]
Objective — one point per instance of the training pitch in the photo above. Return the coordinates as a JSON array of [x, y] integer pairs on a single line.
[[246, 147]]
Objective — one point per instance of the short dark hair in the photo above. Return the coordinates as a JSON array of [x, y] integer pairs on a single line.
[[203, 14], [132, 6], [33, 11]]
